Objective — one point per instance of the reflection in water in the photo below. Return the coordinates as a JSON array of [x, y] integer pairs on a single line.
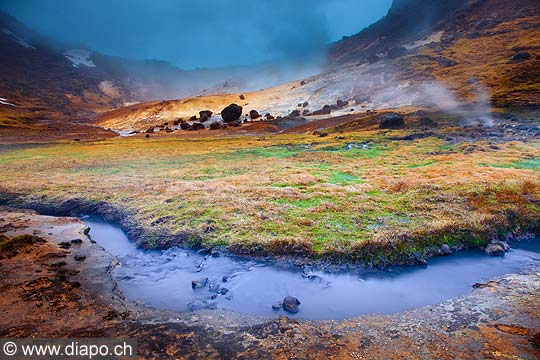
[[162, 279]]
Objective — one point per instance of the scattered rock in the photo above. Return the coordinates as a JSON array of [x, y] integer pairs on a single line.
[[76, 241], [295, 113], [303, 82], [205, 115], [231, 113], [147, 136], [269, 116], [305, 112], [197, 126], [215, 126], [277, 305], [185, 126], [65, 245], [340, 103], [305, 104], [497, 248], [242, 97], [193, 118], [326, 109], [445, 249], [79, 257], [199, 283], [254, 114], [391, 120], [168, 130], [290, 304], [225, 279]]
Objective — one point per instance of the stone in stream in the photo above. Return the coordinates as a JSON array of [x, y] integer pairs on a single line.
[[199, 283], [290, 304], [445, 249], [497, 248]]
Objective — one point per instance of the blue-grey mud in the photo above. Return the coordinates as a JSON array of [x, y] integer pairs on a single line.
[[163, 279]]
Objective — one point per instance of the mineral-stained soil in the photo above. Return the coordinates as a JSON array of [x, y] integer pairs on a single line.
[[45, 292]]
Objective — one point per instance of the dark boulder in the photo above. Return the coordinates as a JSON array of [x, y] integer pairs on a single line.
[[197, 126], [242, 97], [295, 113], [205, 115], [303, 82], [340, 103], [168, 130], [150, 130], [231, 113], [254, 114], [391, 120], [326, 110], [199, 283], [269, 116], [236, 123], [185, 126], [147, 136], [193, 118], [215, 126], [305, 104], [305, 112], [290, 304]]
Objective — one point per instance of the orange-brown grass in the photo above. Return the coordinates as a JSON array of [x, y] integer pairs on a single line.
[[294, 194]]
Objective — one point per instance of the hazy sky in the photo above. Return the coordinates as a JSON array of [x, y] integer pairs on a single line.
[[199, 33]]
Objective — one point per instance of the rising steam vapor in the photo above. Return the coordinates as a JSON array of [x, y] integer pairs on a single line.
[[478, 112]]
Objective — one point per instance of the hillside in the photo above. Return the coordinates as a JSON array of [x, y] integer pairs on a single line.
[[445, 56]]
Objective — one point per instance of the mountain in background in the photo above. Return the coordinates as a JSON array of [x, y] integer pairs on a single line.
[[453, 55]]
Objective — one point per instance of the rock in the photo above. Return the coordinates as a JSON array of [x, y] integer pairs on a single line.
[[150, 130], [215, 125], [197, 126], [199, 283], [193, 118], [147, 136], [168, 130], [295, 113], [269, 116], [326, 109], [242, 97], [290, 304], [497, 248], [277, 305], [225, 279], [340, 103], [205, 115], [520, 56], [445, 249], [231, 113], [303, 82], [254, 114], [76, 241], [223, 291], [305, 112], [185, 126], [79, 257], [305, 104], [391, 120]]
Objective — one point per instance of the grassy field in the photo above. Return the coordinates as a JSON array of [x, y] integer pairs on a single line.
[[358, 196]]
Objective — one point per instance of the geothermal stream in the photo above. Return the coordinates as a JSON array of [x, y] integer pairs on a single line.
[[163, 279]]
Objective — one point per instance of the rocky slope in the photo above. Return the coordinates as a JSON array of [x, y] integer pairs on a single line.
[[460, 56]]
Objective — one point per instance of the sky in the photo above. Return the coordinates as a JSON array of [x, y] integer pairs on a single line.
[[199, 33]]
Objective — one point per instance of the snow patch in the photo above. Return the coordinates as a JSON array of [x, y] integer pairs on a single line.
[[79, 57], [17, 39], [5, 102]]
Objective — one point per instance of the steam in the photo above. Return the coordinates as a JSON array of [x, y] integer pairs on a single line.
[[478, 112]]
